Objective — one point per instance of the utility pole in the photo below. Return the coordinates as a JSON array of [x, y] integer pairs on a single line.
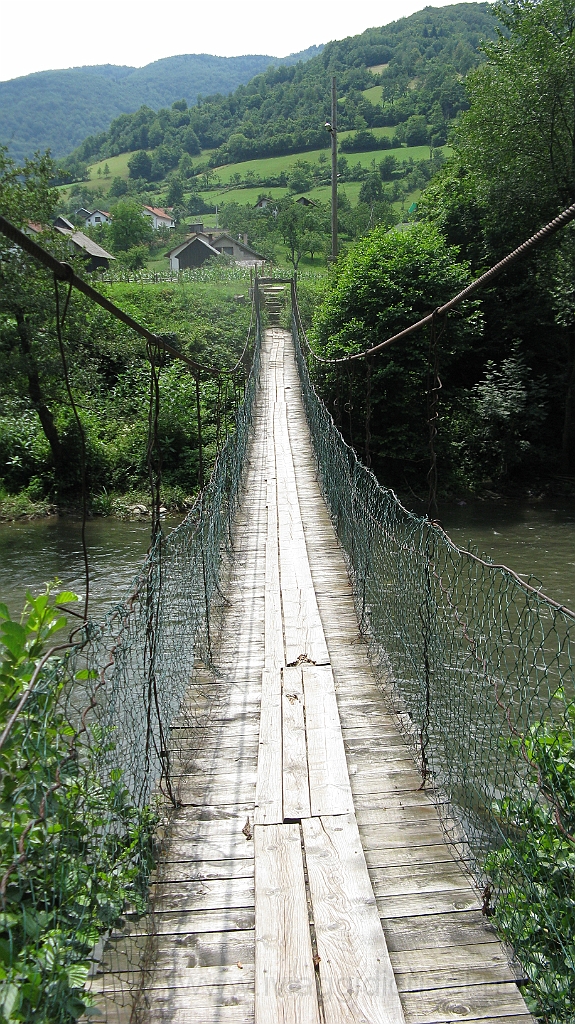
[[332, 127], [333, 169]]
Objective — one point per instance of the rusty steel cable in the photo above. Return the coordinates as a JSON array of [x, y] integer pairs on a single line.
[[522, 250]]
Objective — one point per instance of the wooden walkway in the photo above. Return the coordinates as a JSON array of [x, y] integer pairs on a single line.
[[306, 877]]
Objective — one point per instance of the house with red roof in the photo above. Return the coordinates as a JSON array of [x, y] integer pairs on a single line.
[[159, 217], [98, 217]]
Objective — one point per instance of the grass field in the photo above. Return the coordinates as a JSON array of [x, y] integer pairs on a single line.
[[265, 167], [274, 165], [374, 96]]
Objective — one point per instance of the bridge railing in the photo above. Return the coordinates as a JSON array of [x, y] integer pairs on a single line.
[[478, 666], [95, 737]]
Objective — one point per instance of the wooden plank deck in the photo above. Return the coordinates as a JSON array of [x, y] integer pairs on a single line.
[[305, 877]]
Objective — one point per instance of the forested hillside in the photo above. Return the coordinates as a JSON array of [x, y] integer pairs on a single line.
[[56, 110], [410, 72], [506, 361]]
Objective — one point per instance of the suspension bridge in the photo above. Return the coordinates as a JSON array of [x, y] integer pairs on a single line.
[[305, 876], [319, 716]]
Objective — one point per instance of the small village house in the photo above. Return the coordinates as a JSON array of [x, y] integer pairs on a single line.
[[95, 256], [200, 246], [98, 217], [159, 217]]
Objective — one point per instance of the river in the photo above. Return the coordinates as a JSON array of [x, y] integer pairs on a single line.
[[37, 552], [535, 539]]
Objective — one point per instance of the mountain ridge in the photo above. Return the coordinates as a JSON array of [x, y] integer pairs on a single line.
[[57, 109]]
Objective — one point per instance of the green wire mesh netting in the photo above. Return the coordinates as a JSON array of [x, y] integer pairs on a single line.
[[479, 668], [91, 760]]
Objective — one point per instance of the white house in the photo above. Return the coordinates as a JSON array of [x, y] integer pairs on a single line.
[[160, 218], [198, 247], [98, 217]]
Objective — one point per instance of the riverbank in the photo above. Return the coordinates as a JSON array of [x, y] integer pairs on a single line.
[[133, 505]]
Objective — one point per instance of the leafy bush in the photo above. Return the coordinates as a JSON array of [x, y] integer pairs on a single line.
[[535, 870], [74, 851]]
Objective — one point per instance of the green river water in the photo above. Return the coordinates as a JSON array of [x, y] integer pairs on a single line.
[[536, 540]]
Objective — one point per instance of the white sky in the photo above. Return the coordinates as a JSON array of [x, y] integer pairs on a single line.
[[38, 35]]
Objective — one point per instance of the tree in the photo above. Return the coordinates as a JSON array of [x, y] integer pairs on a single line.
[[296, 223], [371, 190], [140, 165], [518, 138], [129, 227], [136, 257], [300, 178], [513, 170], [416, 131], [191, 143], [175, 191], [384, 283], [118, 188], [26, 303]]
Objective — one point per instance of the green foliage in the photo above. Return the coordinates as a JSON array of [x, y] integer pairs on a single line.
[[129, 228], [297, 225], [75, 852], [509, 409], [534, 871], [39, 442], [385, 283], [512, 170], [56, 109], [284, 110], [118, 188], [140, 165]]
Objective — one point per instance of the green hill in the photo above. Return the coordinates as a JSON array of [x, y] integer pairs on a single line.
[[408, 73], [57, 109]]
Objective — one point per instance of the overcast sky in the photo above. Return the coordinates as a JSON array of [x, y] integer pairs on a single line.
[[38, 35]]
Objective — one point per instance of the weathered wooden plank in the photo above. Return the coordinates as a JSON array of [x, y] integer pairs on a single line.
[[198, 870], [207, 894], [424, 960], [453, 977], [406, 811], [285, 986], [476, 1003], [205, 949], [171, 976], [405, 856], [431, 932], [228, 974], [296, 794], [303, 631], [184, 922], [201, 998], [211, 849], [274, 643], [357, 981], [269, 799], [401, 833], [421, 878], [404, 780], [330, 791], [181, 1005], [429, 903]]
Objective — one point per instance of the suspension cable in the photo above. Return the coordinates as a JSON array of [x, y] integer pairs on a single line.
[[64, 272], [540, 236]]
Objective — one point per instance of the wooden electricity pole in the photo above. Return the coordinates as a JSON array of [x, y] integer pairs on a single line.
[[333, 169]]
